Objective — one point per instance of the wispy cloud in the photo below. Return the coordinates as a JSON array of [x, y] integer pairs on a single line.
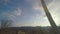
[[13, 14], [18, 12]]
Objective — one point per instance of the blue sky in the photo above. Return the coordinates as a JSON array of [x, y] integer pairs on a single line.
[[29, 12]]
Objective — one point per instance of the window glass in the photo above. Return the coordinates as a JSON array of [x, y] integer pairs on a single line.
[[19, 13]]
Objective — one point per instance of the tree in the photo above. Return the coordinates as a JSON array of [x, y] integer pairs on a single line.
[[6, 23]]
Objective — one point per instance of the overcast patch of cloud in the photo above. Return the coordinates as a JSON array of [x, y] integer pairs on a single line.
[[37, 6], [54, 9]]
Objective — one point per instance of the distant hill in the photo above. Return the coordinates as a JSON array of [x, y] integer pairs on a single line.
[[30, 28]]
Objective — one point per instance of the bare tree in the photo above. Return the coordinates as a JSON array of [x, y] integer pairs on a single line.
[[6, 23]]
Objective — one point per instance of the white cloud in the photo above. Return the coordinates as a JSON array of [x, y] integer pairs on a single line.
[[18, 12]]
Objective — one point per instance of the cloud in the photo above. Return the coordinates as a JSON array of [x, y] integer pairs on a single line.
[[39, 20], [12, 14], [37, 3], [54, 9], [37, 7], [48, 1], [18, 12]]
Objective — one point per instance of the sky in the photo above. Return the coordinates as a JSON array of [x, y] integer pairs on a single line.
[[29, 12]]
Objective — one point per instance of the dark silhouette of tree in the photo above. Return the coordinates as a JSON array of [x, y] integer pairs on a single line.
[[6, 23]]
